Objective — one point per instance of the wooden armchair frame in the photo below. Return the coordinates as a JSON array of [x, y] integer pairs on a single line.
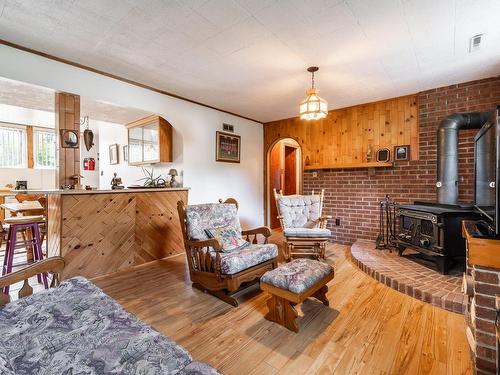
[[53, 265], [296, 246], [206, 275]]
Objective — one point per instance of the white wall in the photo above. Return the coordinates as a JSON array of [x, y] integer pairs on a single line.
[[194, 129], [37, 178], [90, 178]]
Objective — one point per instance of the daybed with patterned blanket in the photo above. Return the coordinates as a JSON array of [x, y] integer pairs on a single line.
[[77, 329]]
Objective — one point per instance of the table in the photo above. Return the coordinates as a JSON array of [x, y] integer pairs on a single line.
[[3, 195], [16, 208]]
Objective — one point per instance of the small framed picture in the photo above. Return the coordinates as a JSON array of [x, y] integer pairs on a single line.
[[113, 154], [401, 153], [125, 153], [227, 147], [22, 185], [383, 155], [69, 138]]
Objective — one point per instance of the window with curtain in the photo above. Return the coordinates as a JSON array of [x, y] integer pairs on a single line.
[[44, 148], [12, 146]]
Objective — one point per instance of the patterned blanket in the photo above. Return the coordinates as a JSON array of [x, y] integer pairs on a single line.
[[77, 329]]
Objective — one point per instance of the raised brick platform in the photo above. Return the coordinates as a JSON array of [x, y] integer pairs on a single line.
[[410, 277]]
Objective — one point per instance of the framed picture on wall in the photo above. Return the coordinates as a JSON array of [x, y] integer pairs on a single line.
[[113, 154], [227, 147], [69, 138], [125, 153], [401, 153]]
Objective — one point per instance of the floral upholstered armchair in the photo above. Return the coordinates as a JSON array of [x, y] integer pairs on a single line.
[[221, 257], [303, 224]]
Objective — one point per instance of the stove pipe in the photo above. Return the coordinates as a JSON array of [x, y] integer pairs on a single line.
[[447, 152]]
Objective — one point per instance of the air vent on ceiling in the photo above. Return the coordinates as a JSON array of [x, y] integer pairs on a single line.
[[228, 127], [475, 42]]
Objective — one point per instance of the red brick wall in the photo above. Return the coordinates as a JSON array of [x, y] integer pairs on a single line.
[[486, 286], [353, 195]]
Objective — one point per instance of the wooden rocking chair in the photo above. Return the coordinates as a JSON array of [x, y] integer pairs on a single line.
[[303, 223], [223, 274]]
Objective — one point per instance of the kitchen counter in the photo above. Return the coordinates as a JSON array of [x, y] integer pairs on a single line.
[[97, 191], [100, 232]]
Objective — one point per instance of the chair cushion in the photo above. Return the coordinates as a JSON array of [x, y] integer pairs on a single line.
[[228, 237], [298, 275], [247, 257], [307, 232], [299, 211], [200, 217]]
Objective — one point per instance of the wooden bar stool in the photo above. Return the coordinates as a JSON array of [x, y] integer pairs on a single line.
[[26, 225]]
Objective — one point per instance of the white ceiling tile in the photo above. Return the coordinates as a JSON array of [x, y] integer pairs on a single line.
[[254, 6], [237, 37], [250, 56], [222, 13]]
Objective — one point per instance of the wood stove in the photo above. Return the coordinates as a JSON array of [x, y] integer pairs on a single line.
[[433, 230]]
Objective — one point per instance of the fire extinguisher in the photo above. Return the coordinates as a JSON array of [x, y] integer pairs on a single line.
[[91, 164], [86, 164]]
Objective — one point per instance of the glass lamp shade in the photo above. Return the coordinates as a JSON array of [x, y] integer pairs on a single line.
[[313, 107]]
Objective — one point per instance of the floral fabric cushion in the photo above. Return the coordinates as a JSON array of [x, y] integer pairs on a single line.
[[299, 211], [229, 238], [298, 275], [247, 257], [307, 232], [5, 366], [200, 217], [77, 329], [198, 368]]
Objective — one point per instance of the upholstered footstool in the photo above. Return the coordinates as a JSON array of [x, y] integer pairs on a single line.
[[290, 284]]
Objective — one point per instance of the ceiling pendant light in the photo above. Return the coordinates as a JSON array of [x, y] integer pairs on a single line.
[[313, 107]]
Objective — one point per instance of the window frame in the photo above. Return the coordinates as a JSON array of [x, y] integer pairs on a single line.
[[36, 129], [24, 149]]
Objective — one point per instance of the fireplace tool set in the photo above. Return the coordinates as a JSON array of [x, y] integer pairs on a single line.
[[386, 238]]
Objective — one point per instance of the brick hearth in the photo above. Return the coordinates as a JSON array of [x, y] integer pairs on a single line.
[[409, 277]]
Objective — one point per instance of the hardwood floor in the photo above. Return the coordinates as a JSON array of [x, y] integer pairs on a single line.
[[368, 329]]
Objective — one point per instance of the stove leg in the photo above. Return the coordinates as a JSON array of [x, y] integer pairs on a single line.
[[401, 250], [443, 265]]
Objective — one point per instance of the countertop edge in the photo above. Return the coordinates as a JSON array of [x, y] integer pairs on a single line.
[[119, 191]]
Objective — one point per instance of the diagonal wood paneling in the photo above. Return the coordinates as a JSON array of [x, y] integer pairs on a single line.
[[158, 232], [98, 234]]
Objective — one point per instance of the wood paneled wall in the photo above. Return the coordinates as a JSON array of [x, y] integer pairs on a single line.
[[102, 233], [67, 111], [344, 136]]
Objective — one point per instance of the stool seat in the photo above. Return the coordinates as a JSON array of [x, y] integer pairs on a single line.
[[24, 219]]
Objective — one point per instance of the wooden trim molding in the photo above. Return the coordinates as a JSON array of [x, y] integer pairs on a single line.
[[119, 78], [29, 146]]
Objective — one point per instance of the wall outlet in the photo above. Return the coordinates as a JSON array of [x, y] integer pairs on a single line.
[[337, 222]]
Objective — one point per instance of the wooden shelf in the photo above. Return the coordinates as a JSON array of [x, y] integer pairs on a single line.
[[484, 252], [373, 164]]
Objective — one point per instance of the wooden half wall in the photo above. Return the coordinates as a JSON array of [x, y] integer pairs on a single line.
[[344, 136], [67, 111]]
